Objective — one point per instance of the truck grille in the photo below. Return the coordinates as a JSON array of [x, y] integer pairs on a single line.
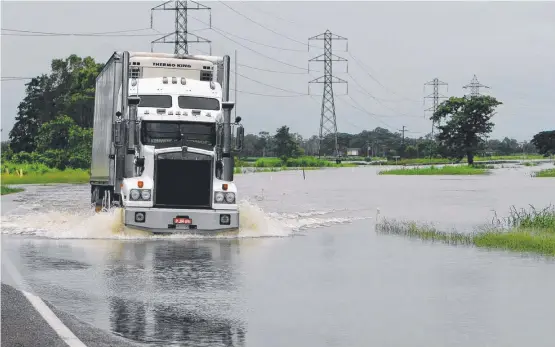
[[183, 183]]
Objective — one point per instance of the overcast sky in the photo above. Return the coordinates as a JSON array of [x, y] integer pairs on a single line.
[[510, 46]]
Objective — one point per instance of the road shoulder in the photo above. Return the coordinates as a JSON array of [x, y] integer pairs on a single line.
[[23, 326]]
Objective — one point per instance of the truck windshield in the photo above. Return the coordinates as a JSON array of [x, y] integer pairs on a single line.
[[156, 101], [198, 103], [169, 134]]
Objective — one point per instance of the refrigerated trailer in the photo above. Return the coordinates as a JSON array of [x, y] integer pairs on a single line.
[[163, 142]]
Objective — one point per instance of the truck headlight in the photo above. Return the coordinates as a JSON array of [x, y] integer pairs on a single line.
[[219, 197], [134, 194], [230, 197], [140, 194], [145, 194]]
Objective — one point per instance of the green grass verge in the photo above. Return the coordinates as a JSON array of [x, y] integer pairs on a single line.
[[522, 231], [545, 173], [433, 170], [55, 176], [291, 162], [9, 190], [436, 161]]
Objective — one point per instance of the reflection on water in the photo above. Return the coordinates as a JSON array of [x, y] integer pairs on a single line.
[[184, 287], [172, 323]]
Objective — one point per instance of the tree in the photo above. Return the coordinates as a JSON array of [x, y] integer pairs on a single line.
[[544, 142], [68, 90], [285, 144], [466, 120]]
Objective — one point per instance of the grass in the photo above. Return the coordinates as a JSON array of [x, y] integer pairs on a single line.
[[545, 173], [445, 170], [523, 230], [276, 164], [416, 161], [40, 174], [9, 190], [529, 163], [296, 162]]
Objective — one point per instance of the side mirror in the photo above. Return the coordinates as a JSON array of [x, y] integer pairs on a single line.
[[239, 138]]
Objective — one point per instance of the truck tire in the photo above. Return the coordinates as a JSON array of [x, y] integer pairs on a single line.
[[96, 199]]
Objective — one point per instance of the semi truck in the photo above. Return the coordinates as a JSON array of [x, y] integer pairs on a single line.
[[164, 143]]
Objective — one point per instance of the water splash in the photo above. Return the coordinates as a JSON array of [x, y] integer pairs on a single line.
[[86, 224]]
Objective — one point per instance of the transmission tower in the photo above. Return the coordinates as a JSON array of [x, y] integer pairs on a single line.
[[475, 86], [435, 96], [181, 36], [328, 123]]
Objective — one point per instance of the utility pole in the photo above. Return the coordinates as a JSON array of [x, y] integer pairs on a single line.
[[403, 138], [328, 123], [181, 34], [474, 86]]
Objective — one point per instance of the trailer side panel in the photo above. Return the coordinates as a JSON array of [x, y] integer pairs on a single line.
[[108, 84]]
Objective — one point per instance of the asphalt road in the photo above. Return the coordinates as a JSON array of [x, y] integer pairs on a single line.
[[23, 326]]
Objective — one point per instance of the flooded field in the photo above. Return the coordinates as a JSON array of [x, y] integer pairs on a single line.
[[307, 268]]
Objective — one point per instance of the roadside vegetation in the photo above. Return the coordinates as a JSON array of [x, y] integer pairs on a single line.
[[545, 173], [40, 174], [440, 160], [524, 230], [444, 170], [9, 190]]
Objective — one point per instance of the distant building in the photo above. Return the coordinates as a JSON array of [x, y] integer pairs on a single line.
[[353, 152]]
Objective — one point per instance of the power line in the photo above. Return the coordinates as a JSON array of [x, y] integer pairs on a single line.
[[375, 98], [19, 32], [269, 85], [273, 71], [227, 35], [375, 79], [263, 26], [272, 14], [269, 95], [357, 106], [328, 122], [297, 41], [252, 41], [256, 52]]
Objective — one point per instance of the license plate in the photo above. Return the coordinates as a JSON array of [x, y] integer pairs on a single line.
[[180, 220]]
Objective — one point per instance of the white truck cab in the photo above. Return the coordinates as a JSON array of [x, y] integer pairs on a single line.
[[170, 144]]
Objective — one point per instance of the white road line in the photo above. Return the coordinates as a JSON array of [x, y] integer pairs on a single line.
[[55, 323]]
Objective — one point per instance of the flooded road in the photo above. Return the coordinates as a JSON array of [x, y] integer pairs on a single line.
[[307, 268]]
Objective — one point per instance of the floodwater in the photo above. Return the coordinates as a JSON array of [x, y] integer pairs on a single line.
[[306, 270]]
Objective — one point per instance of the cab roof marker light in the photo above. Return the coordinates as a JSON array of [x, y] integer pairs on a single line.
[[170, 113], [174, 80], [183, 80], [147, 111], [178, 113], [165, 80]]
